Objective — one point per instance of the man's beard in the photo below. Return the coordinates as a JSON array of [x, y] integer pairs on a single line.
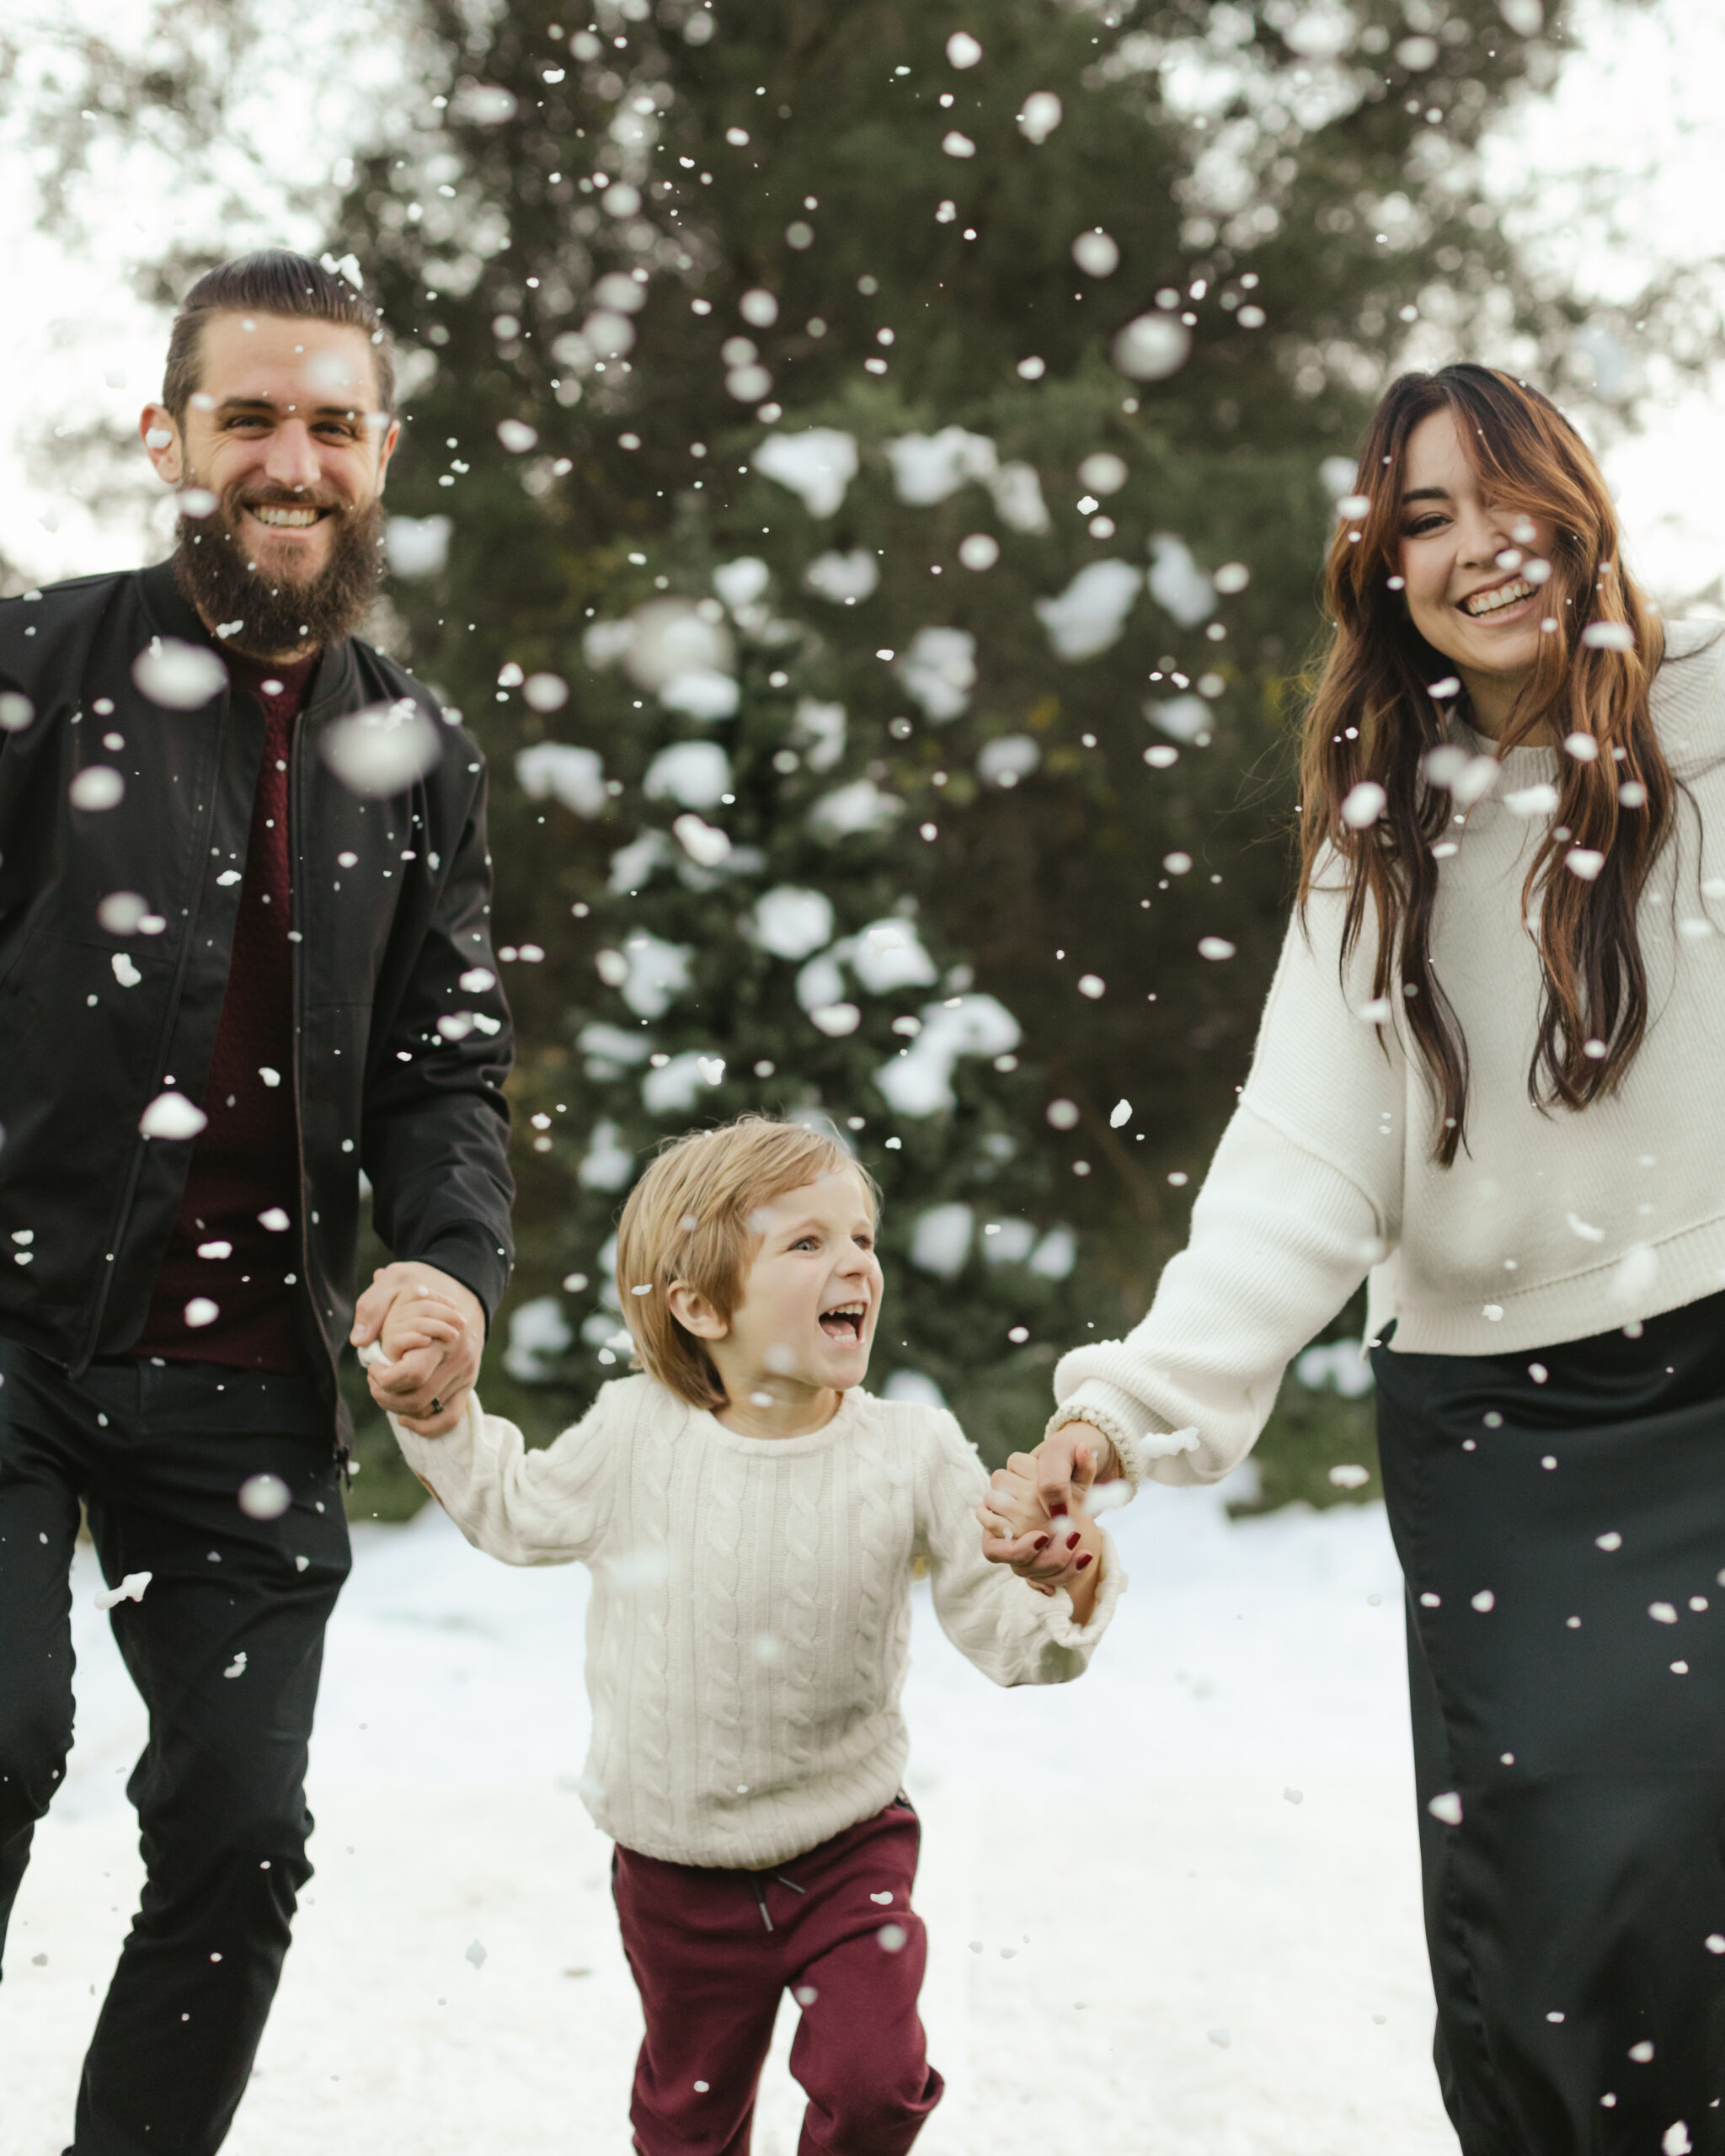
[[211, 563]]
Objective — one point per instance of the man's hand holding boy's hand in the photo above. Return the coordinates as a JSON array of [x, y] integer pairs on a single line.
[[1047, 1550], [431, 1331]]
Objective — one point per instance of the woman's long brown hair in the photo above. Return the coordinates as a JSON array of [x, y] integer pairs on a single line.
[[1373, 718]]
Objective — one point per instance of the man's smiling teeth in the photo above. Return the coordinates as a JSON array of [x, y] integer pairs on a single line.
[[275, 513], [1501, 595]]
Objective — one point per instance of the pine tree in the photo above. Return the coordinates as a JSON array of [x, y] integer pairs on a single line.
[[904, 307]]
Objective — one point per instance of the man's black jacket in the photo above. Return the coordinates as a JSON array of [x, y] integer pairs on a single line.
[[390, 914]]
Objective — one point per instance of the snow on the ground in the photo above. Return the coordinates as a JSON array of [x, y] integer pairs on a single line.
[[1175, 1958]]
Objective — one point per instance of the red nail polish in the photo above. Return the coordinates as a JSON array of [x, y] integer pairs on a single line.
[[1072, 1541], [1041, 1543], [1087, 1558]]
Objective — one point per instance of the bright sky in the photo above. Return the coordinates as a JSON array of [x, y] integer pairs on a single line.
[[1636, 102]]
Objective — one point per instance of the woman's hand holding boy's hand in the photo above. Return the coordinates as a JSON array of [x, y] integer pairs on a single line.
[[1065, 1464], [1048, 1551]]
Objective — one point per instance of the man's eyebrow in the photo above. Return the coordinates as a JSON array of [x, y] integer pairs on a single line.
[[268, 404]]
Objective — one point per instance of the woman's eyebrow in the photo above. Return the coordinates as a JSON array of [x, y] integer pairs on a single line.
[[1427, 494]]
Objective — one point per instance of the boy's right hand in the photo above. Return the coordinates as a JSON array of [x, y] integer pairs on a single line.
[[1059, 1552], [1019, 1530], [1061, 1470]]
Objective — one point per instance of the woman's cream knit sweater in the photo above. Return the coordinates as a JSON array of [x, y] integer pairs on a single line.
[[1551, 1226], [749, 1632]]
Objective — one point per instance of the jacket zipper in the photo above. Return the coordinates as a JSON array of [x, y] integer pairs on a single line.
[[301, 734], [160, 1064]]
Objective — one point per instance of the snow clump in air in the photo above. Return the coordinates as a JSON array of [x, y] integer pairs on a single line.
[[1096, 254], [1006, 760], [418, 546], [95, 787], [171, 1115], [941, 1241], [382, 750], [1151, 346], [264, 1496], [179, 676], [1185, 718], [1039, 116]]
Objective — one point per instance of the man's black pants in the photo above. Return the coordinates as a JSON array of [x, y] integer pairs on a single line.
[[226, 1647]]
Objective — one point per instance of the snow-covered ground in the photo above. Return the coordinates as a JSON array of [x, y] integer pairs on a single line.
[[1140, 1940]]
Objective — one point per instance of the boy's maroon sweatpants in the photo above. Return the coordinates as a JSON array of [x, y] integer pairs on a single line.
[[712, 1951]]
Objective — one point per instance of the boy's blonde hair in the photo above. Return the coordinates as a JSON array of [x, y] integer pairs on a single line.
[[687, 1220]]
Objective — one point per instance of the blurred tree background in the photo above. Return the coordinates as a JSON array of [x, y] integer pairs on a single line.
[[866, 474]]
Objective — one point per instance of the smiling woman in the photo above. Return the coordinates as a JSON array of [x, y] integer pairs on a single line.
[[1488, 548], [1485, 1080]]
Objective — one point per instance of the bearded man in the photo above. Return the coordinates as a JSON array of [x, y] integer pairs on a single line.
[[244, 955]]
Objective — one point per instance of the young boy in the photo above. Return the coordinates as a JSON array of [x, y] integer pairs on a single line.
[[751, 1518]]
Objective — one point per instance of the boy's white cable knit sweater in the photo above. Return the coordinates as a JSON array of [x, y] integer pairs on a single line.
[[749, 1633], [1552, 1225]]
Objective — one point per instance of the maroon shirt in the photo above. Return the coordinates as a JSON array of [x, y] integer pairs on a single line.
[[245, 1163]]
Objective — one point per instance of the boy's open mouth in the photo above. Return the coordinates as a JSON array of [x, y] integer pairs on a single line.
[[844, 1321]]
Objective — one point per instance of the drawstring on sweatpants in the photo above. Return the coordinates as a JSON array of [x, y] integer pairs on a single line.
[[760, 1889]]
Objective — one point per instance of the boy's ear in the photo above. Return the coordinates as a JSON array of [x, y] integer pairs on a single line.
[[694, 1313]]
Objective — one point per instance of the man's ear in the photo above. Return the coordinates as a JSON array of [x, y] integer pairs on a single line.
[[161, 438], [386, 449], [694, 1313]]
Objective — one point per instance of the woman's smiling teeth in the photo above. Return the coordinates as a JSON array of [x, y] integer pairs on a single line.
[[1498, 597], [844, 1321]]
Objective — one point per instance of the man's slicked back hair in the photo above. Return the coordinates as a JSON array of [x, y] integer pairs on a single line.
[[277, 283]]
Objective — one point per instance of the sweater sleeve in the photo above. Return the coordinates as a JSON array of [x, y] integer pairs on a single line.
[[1303, 1196], [1012, 1634], [543, 1508]]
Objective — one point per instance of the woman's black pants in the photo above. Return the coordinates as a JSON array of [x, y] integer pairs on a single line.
[[226, 1647], [1560, 1518]]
